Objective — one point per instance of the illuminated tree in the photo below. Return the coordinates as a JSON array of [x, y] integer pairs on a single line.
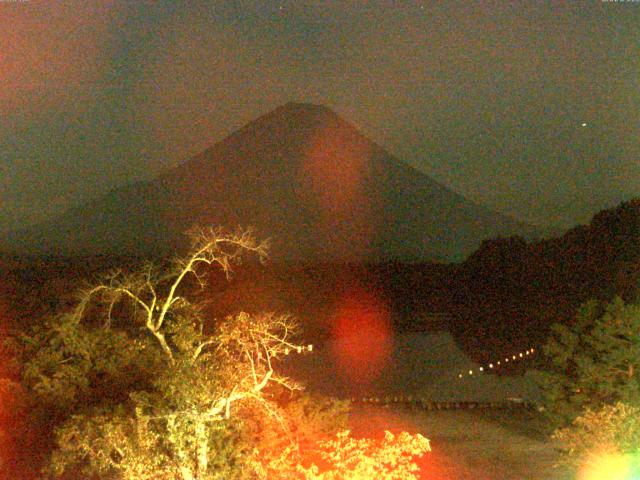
[[592, 362], [138, 383], [598, 437]]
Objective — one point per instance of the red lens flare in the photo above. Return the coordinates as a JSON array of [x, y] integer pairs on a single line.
[[363, 338], [336, 177], [336, 164]]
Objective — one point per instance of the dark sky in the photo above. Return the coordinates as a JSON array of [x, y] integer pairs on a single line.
[[532, 108]]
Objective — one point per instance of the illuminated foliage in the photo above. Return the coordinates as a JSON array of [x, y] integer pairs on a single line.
[[303, 420], [139, 384], [346, 458], [607, 438]]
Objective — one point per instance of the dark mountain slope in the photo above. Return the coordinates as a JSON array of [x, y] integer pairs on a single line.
[[300, 175]]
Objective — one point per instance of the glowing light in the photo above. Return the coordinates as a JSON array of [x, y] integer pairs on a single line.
[[611, 466], [491, 365], [333, 148], [363, 336]]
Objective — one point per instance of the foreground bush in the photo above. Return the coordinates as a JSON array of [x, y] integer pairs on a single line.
[[299, 423], [346, 458], [604, 437]]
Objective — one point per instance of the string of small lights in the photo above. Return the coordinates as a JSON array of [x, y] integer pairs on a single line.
[[298, 349], [494, 365]]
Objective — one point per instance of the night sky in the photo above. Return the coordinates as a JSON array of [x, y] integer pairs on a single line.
[[531, 108]]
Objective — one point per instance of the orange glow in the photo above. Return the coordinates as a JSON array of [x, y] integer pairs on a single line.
[[51, 51], [336, 164], [363, 336], [11, 393], [335, 175], [438, 466], [610, 466], [6, 443], [372, 421]]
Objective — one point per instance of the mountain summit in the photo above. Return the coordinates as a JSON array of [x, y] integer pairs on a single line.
[[300, 175]]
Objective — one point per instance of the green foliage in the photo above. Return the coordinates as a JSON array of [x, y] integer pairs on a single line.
[[314, 417], [594, 361], [72, 365], [608, 431]]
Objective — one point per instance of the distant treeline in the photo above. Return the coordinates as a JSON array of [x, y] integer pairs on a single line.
[[505, 295], [513, 290]]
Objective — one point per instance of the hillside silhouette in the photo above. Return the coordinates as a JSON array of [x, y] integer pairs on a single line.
[[513, 290], [300, 175]]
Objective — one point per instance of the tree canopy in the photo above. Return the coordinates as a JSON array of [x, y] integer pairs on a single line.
[[593, 361], [137, 381]]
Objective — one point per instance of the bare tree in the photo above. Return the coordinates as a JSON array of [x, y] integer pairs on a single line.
[[178, 373]]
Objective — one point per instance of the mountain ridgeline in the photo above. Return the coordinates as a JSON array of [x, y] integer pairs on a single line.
[[299, 175]]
